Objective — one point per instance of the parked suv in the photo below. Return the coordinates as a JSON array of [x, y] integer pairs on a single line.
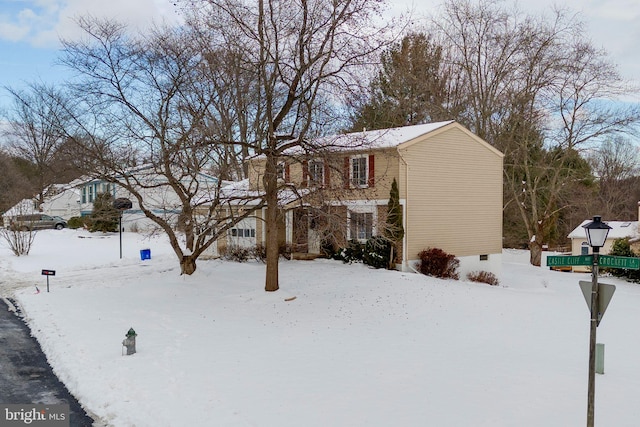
[[37, 222]]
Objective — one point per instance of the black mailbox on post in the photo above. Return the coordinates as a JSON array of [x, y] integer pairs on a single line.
[[122, 204]]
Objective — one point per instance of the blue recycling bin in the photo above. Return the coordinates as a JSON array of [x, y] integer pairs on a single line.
[[145, 254]]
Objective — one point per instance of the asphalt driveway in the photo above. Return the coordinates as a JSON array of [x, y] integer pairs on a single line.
[[25, 374]]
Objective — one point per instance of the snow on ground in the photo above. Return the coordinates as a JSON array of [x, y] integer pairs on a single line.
[[357, 347]]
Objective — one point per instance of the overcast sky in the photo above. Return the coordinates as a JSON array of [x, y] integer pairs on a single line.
[[30, 29]]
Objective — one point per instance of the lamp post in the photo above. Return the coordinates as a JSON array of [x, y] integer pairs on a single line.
[[597, 232]]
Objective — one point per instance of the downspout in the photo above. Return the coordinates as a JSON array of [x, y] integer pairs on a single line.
[[405, 218]]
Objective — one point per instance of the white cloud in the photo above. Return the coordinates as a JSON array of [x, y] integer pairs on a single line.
[[43, 23], [12, 31]]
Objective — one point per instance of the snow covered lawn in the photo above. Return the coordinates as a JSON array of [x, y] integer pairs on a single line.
[[356, 347]]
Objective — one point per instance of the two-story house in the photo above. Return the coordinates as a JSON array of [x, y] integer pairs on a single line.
[[450, 184]]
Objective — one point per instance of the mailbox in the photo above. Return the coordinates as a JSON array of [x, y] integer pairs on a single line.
[[122, 204]]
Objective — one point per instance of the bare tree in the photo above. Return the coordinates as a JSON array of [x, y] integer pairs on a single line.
[[34, 133], [141, 123], [14, 186], [534, 89], [615, 163], [300, 54]]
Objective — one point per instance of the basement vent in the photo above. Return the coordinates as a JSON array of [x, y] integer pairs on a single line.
[[484, 257]]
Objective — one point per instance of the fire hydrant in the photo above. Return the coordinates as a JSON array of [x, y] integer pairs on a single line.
[[130, 341]]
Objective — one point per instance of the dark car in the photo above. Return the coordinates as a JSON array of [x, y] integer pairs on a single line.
[[37, 222]]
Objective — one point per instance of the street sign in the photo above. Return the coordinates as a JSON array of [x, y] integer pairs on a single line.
[[565, 261], [605, 292], [630, 263]]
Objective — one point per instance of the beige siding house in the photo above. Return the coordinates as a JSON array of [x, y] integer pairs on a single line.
[[450, 184]]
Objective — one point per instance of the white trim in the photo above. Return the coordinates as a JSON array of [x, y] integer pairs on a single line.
[[362, 209], [288, 226], [282, 176], [366, 170], [360, 202], [264, 224], [311, 182]]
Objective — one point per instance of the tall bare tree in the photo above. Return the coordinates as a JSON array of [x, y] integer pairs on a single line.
[[301, 55], [616, 162], [534, 88], [141, 123], [34, 132]]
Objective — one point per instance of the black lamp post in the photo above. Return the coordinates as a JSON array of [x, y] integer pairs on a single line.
[[597, 232]]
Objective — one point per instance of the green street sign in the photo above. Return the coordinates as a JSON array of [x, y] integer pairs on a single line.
[[629, 263], [566, 261]]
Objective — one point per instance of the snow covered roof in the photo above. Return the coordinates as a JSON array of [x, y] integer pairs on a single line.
[[238, 193], [381, 138], [23, 207], [365, 140], [619, 230]]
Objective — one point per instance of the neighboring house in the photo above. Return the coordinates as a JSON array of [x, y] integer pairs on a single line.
[[619, 230], [158, 196], [450, 184], [64, 201], [61, 200], [23, 207], [77, 197]]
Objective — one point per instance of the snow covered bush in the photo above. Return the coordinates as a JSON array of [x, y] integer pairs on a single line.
[[235, 253], [259, 252], [377, 252], [353, 252]]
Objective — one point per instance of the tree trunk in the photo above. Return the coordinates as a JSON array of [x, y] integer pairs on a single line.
[[535, 253], [187, 265], [271, 224]]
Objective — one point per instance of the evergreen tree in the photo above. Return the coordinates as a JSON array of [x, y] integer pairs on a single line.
[[394, 231], [409, 89], [622, 247], [104, 217]]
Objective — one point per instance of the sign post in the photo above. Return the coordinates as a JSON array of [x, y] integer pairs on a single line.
[[121, 204], [48, 273]]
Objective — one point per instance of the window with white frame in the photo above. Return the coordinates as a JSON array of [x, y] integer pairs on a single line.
[[243, 232], [360, 225], [584, 250], [281, 171], [316, 172], [359, 171]]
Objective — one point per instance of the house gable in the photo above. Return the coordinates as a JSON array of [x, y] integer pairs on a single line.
[[452, 183]]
